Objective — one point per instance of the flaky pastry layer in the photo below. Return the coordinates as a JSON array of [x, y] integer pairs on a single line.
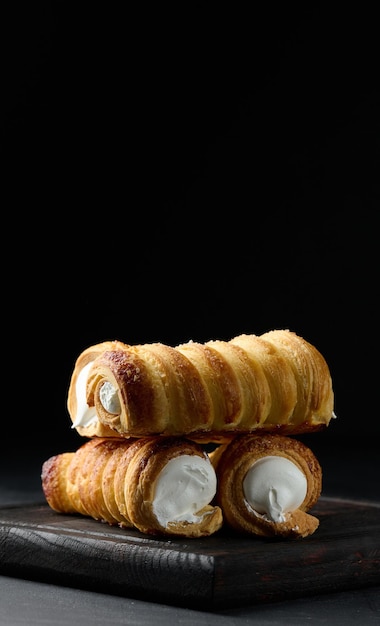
[[276, 382]]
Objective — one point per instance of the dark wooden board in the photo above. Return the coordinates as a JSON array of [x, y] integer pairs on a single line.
[[224, 570]]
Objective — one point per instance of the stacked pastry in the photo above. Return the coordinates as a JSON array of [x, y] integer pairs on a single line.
[[148, 410]]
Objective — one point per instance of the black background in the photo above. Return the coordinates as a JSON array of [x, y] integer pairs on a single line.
[[192, 173]]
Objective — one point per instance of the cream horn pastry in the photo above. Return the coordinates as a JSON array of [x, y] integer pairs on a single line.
[[275, 382], [83, 412], [158, 485], [266, 485]]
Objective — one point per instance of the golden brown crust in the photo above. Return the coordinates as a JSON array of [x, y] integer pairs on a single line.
[[275, 383], [114, 480], [109, 483], [232, 462], [315, 399], [73, 477], [278, 374], [220, 381], [141, 395], [119, 481], [252, 386], [54, 477], [91, 483]]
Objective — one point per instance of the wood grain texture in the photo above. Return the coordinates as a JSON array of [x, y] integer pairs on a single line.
[[220, 571]]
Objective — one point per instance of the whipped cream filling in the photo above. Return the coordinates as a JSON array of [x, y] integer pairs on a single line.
[[184, 486], [109, 398], [85, 415], [273, 487]]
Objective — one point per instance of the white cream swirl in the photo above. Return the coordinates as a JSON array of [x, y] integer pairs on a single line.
[[184, 486], [273, 487], [85, 415]]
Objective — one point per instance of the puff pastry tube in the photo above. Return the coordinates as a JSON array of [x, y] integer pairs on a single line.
[[158, 485], [277, 382], [83, 415], [266, 485]]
